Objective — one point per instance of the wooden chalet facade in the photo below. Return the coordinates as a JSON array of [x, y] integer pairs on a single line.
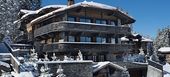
[[93, 28]]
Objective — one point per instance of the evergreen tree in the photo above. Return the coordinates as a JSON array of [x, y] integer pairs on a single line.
[[9, 10]]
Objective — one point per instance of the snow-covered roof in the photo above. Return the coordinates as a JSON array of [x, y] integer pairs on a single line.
[[26, 11], [51, 6], [164, 50], [144, 39], [31, 12], [83, 4], [124, 38], [101, 65]]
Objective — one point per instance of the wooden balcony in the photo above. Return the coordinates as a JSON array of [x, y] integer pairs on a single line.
[[81, 27], [86, 47]]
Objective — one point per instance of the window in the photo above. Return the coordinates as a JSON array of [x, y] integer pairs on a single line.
[[71, 19], [101, 40], [49, 41], [101, 58], [85, 20], [119, 40], [85, 39], [112, 23], [119, 22], [103, 22], [94, 58], [113, 40], [99, 21], [71, 39]]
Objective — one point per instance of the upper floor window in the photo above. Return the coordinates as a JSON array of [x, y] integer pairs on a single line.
[[71, 18], [103, 22], [100, 21], [71, 39], [85, 39], [112, 23], [113, 41], [119, 22], [118, 40], [85, 20], [100, 39]]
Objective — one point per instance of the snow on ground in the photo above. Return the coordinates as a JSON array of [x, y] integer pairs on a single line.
[[4, 64], [166, 69], [167, 75], [23, 74]]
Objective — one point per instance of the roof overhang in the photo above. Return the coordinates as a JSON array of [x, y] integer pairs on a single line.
[[116, 11]]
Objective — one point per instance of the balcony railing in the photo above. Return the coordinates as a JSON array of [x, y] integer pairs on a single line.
[[95, 47], [80, 27]]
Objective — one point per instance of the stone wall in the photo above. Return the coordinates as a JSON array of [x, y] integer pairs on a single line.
[[71, 68]]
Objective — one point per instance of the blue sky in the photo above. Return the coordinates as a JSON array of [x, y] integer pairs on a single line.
[[150, 15]]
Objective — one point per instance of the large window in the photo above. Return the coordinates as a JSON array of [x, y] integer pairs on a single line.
[[112, 23], [71, 39], [85, 20], [85, 39], [100, 21], [113, 40], [71, 18], [100, 39]]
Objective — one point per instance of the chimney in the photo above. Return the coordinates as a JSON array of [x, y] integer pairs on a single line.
[[70, 2]]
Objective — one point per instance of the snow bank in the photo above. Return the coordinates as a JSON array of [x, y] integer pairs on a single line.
[[167, 75], [166, 69], [4, 64], [26, 74]]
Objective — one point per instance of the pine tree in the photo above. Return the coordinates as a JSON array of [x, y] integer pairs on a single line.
[[162, 38], [9, 10]]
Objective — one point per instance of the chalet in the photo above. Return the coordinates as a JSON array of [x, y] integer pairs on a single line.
[[93, 28]]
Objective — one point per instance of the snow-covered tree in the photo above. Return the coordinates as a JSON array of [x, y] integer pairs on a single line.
[[9, 10], [162, 38]]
